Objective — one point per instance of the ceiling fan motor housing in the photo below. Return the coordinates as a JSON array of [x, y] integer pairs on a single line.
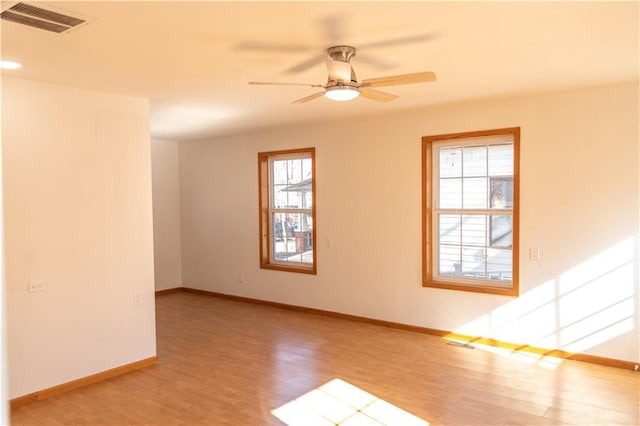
[[341, 53], [344, 74]]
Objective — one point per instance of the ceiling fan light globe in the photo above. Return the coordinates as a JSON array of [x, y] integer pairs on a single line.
[[342, 94]]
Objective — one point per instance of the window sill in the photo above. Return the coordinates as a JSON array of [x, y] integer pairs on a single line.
[[474, 289], [287, 268]]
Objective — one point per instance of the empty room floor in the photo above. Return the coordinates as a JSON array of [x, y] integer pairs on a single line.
[[224, 362]]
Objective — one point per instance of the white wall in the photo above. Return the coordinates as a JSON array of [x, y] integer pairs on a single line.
[[166, 214], [579, 204], [77, 188], [4, 372]]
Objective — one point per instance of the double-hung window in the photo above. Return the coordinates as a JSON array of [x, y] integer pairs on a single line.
[[470, 211], [287, 210]]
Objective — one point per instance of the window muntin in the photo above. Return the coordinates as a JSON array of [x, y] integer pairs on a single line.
[[287, 210], [470, 211]]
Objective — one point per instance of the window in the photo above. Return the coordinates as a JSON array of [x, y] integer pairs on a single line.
[[287, 210], [470, 211]]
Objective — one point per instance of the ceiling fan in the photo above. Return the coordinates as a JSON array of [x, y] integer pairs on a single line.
[[342, 83]]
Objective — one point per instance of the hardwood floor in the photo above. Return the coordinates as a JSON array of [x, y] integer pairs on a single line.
[[223, 362]]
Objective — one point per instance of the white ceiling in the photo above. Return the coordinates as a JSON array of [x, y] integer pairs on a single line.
[[188, 57]]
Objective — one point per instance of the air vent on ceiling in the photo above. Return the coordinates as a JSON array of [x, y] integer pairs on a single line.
[[39, 17]]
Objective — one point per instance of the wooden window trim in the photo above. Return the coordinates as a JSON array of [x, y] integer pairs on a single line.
[[265, 230], [428, 212]]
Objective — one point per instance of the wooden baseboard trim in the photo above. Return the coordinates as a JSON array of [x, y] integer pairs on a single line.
[[448, 335], [168, 291], [322, 312], [84, 381]]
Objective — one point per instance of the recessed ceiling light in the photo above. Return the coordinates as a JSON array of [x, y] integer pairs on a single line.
[[9, 65]]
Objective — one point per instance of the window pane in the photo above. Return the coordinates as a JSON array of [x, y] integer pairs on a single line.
[[451, 162], [475, 193], [308, 200], [285, 246], [280, 196], [475, 161], [501, 160], [305, 223], [499, 264], [473, 262], [304, 238], [306, 168], [450, 193], [501, 196], [293, 199], [277, 221], [291, 224], [474, 230], [280, 172], [449, 260], [282, 247], [293, 238], [449, 227], [294, 171], [501, 231]]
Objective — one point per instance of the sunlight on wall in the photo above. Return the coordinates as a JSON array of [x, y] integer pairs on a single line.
[[596, 299], [588, 304], [531, 315], [340, 403]]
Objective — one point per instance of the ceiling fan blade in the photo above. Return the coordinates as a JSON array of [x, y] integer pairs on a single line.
[[338, 70], [305, 65], [268, 83], [308, 98], [395, 80], [256, 45], [377, 95], [401, 40]]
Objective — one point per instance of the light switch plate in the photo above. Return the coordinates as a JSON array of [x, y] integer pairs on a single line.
[[534, 254]]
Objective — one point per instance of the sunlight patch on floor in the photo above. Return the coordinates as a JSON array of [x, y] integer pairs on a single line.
[[340, 403]]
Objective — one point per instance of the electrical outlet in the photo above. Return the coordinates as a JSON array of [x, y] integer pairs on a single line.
[[241, 278], [534, 254], [136, 298], [35, 286]]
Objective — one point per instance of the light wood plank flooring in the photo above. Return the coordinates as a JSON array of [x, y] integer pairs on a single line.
[[223, 362]]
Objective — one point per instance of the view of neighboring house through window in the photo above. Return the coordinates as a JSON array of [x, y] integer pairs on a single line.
[[470, 211], [287, 210]]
